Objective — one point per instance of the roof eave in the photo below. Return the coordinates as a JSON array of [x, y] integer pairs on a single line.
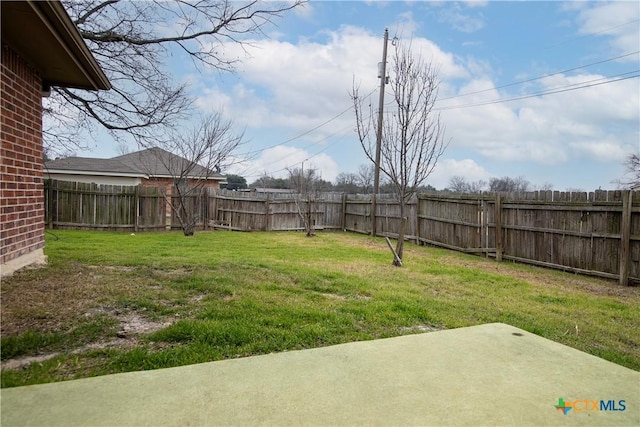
[[79, 48], [44, 35], [95, 173], [208, 178]]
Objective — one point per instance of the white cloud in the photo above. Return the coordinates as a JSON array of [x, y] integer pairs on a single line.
[[448, 168], [476, 3], [290, 87], [617, 21], [298, 86], [547, 129], [304, 11], [603, 151], [406, 25], [462, 20]]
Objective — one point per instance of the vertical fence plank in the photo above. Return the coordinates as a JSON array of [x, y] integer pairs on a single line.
[[267, 213], [625, 234], [49, 190], [498, 221]]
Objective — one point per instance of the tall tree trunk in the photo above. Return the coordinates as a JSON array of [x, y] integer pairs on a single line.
[[400, 244], [310, 224]]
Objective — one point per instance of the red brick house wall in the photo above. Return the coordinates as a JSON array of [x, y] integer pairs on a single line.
[[21, 187]]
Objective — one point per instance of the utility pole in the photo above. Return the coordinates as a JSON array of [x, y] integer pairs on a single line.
[[382, 71]]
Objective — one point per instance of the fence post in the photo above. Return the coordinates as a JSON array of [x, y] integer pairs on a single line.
[[484, 228], [204, 200], [343, 216], [267, 216], [49, 187], [168, 214], [625, 232], [416, 222], [373, 215], [498, 221], [136, 210]]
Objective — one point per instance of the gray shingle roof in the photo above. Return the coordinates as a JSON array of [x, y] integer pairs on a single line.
[[90, 164], [152, 162]]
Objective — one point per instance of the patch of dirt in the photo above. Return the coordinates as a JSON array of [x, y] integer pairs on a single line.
[[132, 325], [135, 324], [21, 362], [45, 302], [333, 296], [51, 299], [111, 267], [419, 329]]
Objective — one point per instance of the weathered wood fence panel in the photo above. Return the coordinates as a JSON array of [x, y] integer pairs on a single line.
[[331, 206], [389, 219], [238, 212], [279, 212], [594, 233], [84, 205], [457, 222], [581, 236], [152, 209], [357, 213]]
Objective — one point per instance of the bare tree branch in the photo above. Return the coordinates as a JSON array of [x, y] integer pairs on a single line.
[[413, 135], [191, 158], [133, 41], [632, 172]]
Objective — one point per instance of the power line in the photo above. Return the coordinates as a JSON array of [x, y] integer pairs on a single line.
[[254, 152], [567, 88], [299, 135], [606, 30], [540, 77], [344, 129], [307, 132], [575, 86]]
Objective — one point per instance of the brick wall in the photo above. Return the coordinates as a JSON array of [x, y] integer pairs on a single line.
[[21, 186]]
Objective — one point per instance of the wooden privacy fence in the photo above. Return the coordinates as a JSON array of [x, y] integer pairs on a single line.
[[596, 233], [113, 207], [589, 233], [273, 212]]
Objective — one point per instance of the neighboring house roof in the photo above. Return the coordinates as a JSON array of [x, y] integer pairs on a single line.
[[44, 35], [272, 190], [150, 163]]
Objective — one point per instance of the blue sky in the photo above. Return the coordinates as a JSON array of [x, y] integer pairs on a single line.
[[292, 85]]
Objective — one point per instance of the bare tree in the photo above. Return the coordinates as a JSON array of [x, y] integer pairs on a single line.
[[459, 184], [366, 174], [191, 159], [632, 172], [413, 135], [508, 184], [132, 41], [306, 184], [347, 183], [546, 186]]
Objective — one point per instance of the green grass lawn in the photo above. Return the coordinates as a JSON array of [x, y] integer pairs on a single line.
[[114, 302]]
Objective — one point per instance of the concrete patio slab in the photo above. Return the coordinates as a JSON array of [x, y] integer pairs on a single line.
[[492, 374]]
